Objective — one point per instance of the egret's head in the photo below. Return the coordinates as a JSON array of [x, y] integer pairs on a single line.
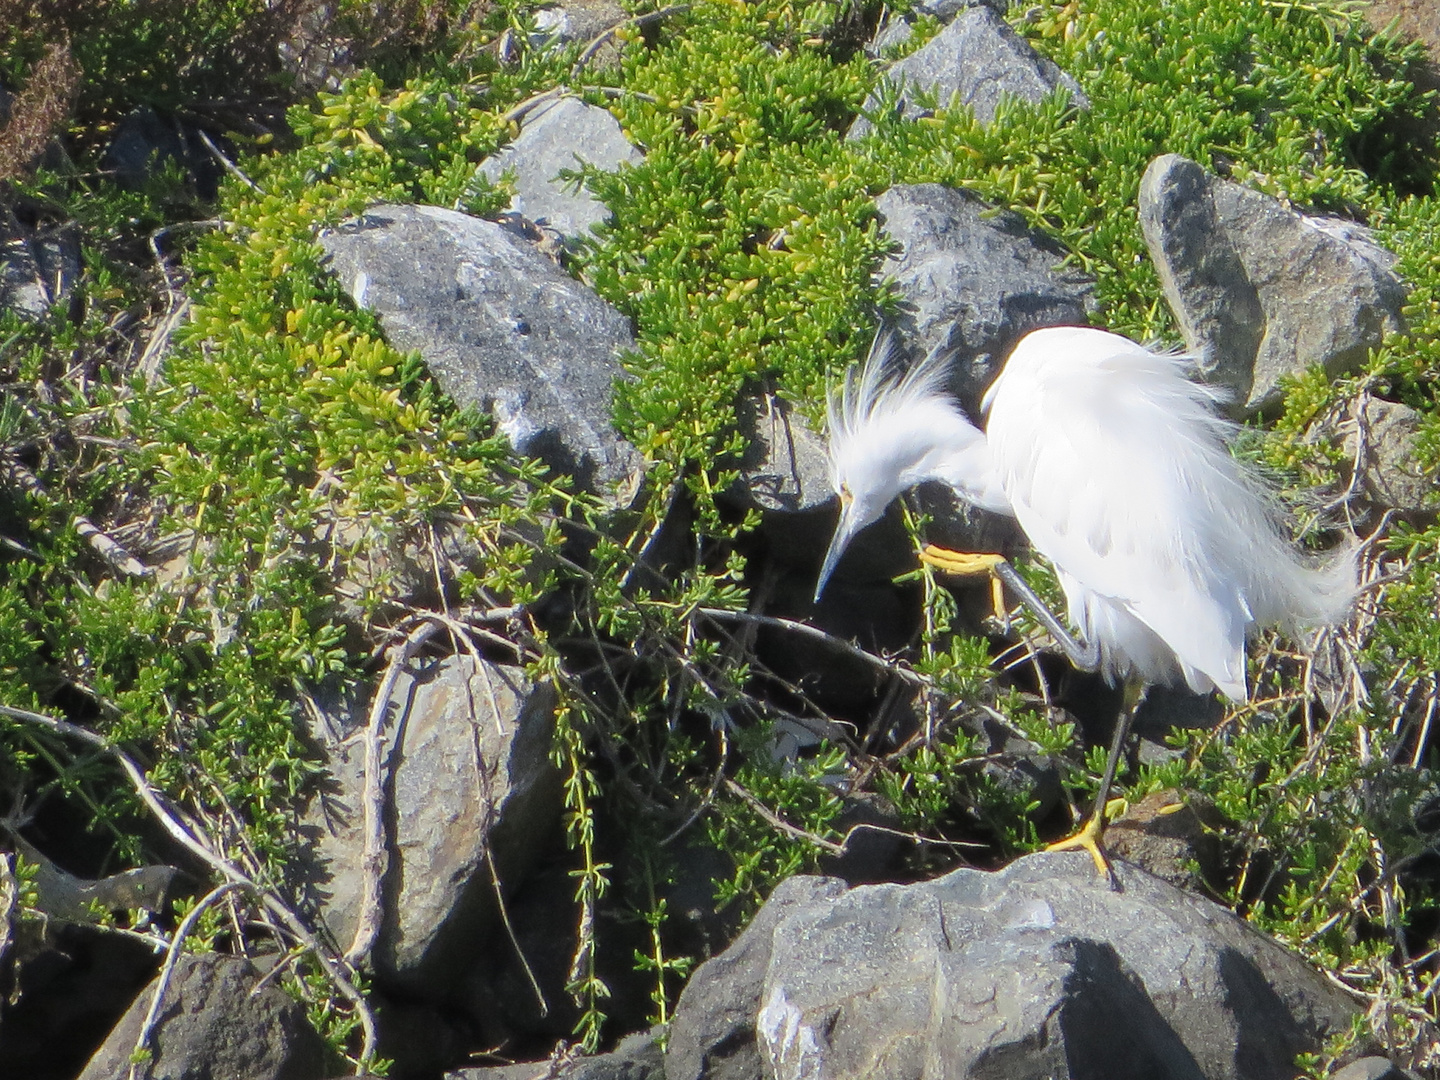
[[879, 438], [866, 488]]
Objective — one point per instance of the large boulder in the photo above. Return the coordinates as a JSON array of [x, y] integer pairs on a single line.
[[975, 61], [1263, 291], [501, 327], [1027, 972], [973, 281], [469, 779]]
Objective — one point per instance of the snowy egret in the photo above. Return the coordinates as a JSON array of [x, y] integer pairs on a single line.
[[1117, 467]]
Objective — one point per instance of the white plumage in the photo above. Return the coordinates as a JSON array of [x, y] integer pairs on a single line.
[[1117, 467]]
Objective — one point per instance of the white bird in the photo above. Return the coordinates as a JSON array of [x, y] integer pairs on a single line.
[[1117, 467]]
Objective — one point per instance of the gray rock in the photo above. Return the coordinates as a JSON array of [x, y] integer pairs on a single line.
[[559, 135], [145, 142], [472, 769], [946, 10], [1028, 972], [1260, 290], [501, 328], [1390, 473], [61, 895], [1372, 1068], [892, 35], [579, 21], [38, 269], [637, 1057], [785, 467], [712, 1036], [213, 1024], [974, 61], [897, 31], [974, 281]]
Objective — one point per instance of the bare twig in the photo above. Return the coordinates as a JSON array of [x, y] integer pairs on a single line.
[[225, 163], [374, 860], [530, 104], [172, 955], [816, 634], [779, 823], [335, 967], [118, 558]]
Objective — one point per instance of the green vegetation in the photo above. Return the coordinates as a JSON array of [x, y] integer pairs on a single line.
[[284, 448]]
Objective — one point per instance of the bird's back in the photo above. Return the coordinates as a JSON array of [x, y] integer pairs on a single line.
[[1118, 470]]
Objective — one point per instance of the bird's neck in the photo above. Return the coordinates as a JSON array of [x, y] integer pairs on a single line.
[[950, 449]]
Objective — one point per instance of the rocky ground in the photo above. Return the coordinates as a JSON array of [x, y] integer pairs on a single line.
[[437, 849]]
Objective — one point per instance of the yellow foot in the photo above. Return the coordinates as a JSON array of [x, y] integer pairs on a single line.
[[969, 564], [1090, 839]]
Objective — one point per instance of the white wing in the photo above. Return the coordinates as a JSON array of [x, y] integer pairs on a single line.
[[1118, 471]]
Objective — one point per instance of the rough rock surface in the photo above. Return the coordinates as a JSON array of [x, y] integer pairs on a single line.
[[1025, 972], [898, 30], [713, 1033], [471, 769], [213, 1025], [146, 141], [561, 135], [61, 895], [1373, 1068], [974, 282], [501, 327], [973, 61], [1390, 473], [785, 466], [1260, 290], [638, 1057], [579, 20], [37, 269]]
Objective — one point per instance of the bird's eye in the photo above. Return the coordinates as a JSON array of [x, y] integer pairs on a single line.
[[845, 495]]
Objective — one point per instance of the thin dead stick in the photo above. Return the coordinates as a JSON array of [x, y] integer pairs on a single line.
[[805, 630], [709, 795], [519, 112], [780, 823], [172, 825], [374, 859], [104, 546], [140, 1055], [225, 163], [598, 42]]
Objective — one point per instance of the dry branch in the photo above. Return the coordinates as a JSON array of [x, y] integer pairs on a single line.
[[335, 967]]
